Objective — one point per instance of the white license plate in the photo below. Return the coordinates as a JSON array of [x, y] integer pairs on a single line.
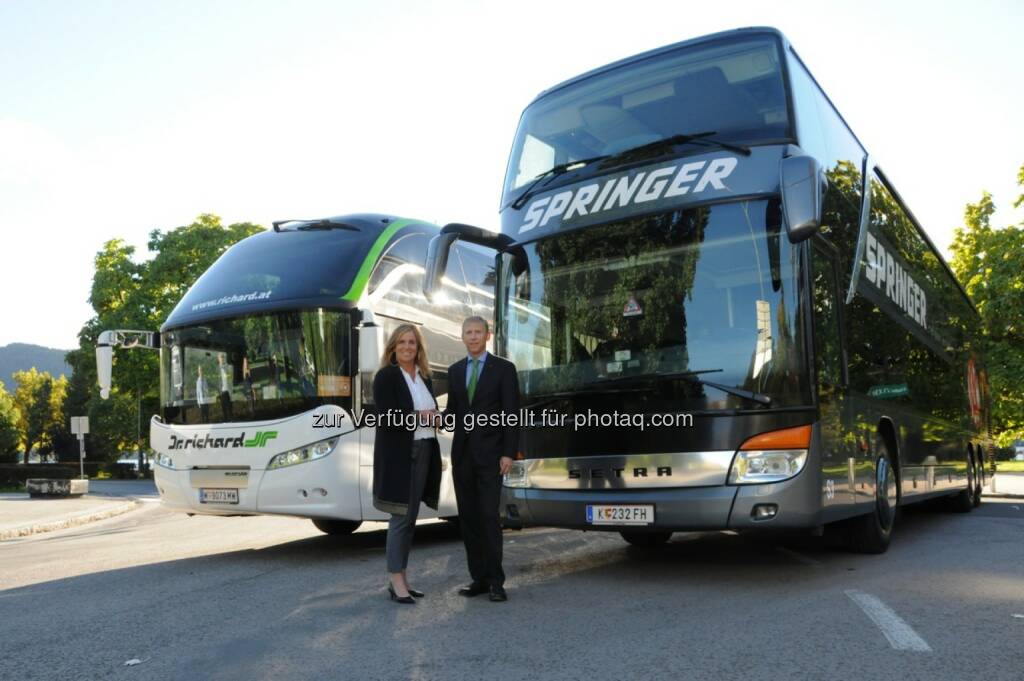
[[218, 496], [620, 514]]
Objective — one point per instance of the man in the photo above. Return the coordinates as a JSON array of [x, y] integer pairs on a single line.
[[225, 387], [202, 395], [481, 386]]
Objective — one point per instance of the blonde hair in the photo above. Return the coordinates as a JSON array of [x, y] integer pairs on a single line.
[[421, 349]]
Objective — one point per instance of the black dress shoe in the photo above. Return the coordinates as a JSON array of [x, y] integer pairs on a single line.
[[399, 599], [416, 594], [498, 594], [474, 589]]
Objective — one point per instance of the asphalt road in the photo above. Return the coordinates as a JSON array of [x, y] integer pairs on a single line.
[[272, 598]]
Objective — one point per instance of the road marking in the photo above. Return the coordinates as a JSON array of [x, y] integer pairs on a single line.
[[799, 557], [900, 634]]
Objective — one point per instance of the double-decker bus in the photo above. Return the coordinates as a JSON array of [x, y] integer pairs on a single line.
[[267, 363], [727, 313]]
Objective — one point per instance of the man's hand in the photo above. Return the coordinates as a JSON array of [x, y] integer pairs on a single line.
[[506, 465]]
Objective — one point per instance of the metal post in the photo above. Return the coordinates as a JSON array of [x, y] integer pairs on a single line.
[[81, 455]]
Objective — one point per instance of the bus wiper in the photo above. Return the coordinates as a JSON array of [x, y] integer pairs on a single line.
[[692, 376], [315, 224], [548, 175], [548, 398], [698, 138]]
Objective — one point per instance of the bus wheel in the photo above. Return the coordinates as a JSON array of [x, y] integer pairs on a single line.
[[871, 533], [645, 538], [963, 502], [978, 474], [333, 526]]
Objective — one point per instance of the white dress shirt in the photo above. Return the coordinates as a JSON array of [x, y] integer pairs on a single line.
[[421, 399]]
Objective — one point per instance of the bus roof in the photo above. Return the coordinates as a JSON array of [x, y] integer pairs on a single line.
[[326, 264], [732, 33]]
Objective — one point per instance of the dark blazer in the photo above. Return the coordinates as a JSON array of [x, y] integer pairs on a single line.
[[497, 391], [392, 446]]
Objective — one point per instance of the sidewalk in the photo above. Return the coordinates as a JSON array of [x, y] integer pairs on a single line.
[[1006, 485], [21, 516]]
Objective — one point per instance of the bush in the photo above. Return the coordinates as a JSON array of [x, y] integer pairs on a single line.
[[17, 474]]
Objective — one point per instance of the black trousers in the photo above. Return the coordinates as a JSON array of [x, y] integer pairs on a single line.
[[478, 493]]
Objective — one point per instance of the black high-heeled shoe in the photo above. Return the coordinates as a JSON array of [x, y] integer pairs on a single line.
[[399, 599], [415, 594]]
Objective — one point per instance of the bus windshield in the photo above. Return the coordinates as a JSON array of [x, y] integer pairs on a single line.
[[256, 367], [646, 312], [732, 88]]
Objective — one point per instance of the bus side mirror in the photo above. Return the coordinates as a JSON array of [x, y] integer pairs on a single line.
[[803, 183], [104, 363], [437, 262], [371, 344]]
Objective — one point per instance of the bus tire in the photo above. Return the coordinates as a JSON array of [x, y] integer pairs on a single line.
[[978, 474], [646, 539], [334, 527], [872, 532], [963, 501]]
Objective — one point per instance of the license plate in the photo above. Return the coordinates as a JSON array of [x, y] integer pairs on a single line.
[[621, 514], [218, 496]]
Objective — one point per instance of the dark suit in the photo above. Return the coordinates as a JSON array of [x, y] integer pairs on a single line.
[[476, 455], [392, 447]]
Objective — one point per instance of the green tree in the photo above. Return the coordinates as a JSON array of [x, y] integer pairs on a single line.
[[9, 438], [987, 260], [40, 402], [138, 295]]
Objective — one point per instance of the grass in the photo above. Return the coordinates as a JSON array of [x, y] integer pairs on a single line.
[[12, 488], [1010, 466]]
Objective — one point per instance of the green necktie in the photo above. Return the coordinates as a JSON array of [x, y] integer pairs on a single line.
[[471, 388]]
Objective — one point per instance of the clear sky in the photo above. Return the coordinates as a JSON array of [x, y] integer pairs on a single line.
[[117, 118]]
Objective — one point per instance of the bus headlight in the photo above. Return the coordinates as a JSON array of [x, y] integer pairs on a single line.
[[518, 476], [317, 450], [165, 460], [771, 457], [760, 466]]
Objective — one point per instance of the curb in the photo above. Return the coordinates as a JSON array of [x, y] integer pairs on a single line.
[[26, 530], [1000, 495]]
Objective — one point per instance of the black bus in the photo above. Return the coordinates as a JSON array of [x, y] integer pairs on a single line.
[[722, 309]]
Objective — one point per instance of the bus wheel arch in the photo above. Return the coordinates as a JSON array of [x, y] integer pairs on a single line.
[[872, 532]]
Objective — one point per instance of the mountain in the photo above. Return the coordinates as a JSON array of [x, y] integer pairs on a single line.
[[21, 356]]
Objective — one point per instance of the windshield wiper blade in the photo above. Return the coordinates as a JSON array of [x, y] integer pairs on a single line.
[[760, 398], [550, 174], [315, 224], [667, 143]]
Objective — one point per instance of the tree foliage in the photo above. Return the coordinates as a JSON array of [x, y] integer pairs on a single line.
[[9, 438], [988, 260], [40, 403], [138, 295]]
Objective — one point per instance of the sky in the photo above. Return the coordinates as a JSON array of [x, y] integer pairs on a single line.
[[118, 118]]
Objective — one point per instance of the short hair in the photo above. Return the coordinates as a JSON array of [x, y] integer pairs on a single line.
[[476, 319]]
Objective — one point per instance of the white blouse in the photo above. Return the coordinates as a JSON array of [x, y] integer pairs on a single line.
[[421, 399]]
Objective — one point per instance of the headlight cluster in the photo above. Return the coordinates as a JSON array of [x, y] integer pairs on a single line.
[[518, 476], [317, 450], [760, 466], [165, 460]]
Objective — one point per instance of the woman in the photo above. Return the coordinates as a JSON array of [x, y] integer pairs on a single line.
[[406, 457]]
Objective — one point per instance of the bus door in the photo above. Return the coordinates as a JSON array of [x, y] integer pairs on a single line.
[[839, 463]]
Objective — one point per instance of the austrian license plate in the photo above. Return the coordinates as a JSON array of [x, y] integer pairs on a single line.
[[620, 514], [209, 495]]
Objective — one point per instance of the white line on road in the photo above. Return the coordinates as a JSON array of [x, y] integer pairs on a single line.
[[900, 634]]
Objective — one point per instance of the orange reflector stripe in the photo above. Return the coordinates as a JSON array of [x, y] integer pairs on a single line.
[[787, 438]]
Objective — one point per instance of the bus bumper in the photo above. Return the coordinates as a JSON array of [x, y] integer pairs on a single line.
[[796, 502]]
